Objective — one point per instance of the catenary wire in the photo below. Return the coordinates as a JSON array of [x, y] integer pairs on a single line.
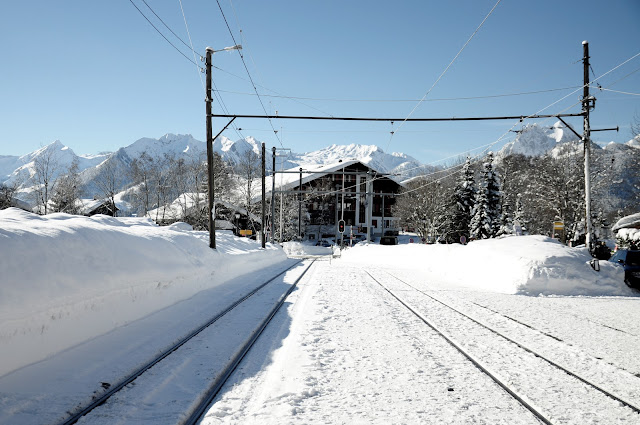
[[407, 100], [445, 70], [190, 47], [455, 168], [191, 44], [163, 36], [248, 73], [217, 95], [616, 91]]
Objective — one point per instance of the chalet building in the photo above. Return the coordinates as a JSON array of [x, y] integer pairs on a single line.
[[325, 189]]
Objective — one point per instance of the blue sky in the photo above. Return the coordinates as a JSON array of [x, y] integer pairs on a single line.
[[97, 76]]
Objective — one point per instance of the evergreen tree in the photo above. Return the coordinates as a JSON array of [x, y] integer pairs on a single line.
[[462, 204], [485, 222], [6, 196], [518, 215], [506, 220]]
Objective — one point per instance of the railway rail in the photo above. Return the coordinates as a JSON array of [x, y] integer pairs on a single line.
[[204, 400], [455, 325]]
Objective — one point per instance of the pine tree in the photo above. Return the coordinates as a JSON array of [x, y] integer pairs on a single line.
[[462, 204], [485, 222], [518, 216]]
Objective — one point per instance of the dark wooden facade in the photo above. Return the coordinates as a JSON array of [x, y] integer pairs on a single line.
[[324, 196]]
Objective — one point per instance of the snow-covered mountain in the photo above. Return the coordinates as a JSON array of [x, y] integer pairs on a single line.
[[401, 164], [615, 167], [18, 170], [535, 140]]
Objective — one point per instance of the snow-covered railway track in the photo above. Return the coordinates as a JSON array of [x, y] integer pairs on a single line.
[[232, 329], [555, 388]]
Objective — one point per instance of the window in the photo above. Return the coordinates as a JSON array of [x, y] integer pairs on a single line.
[[633, 258]]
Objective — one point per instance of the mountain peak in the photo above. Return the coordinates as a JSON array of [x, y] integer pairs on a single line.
[[535, 140]]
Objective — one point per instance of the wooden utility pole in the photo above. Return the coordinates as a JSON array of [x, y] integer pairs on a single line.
[[369, 203], [300, 206], [264, 201], [211, 211], [273, 195], [586, 139]]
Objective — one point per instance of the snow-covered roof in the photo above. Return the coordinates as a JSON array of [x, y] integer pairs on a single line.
[[629, 222], [310, 172], [189, 201]]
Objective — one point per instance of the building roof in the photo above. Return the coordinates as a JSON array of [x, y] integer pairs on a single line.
[[310, 172], [187, 201]]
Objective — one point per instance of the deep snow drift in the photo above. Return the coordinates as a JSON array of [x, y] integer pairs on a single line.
[[65, 279], [527, 265]]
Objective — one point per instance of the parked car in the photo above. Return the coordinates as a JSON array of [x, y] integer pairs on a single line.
[[389, 240], [630, 260]]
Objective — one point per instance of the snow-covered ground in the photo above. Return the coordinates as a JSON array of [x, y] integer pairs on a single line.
[[65, 279], [74, 288]]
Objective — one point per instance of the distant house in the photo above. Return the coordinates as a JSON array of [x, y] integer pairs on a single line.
[[191, 208], [368, 198], [98, 206]]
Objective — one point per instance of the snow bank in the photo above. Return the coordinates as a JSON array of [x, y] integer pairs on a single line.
[[300, 249], [528, 265], [65, 279]]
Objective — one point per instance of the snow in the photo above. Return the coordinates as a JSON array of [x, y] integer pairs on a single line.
[[67, 278], [299, 249], [535, 140], [630, 221], [73, 288], [529, 265]]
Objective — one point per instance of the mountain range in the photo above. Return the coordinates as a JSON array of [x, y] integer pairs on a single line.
[[533, 140]]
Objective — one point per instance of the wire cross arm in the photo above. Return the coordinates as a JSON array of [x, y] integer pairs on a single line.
[[297, 117]]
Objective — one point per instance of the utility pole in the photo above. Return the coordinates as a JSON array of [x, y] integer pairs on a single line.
[[211, 210], [300, 206], [342, 211], [273, 195], [336, 220], [587, 105], [367, 197], [264, 201]]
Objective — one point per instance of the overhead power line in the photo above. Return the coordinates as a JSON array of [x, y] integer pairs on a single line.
[[163, 36], [275, 132], [407, 100], [191, 44], [616, 91], [297, 117], [169, 28], [445, 71]]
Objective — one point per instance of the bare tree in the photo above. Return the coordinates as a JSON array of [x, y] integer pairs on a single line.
[[422, 204], [46, 167], [635, 126], [110, 182], [67, 192], [141, 171], [248, 169]]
